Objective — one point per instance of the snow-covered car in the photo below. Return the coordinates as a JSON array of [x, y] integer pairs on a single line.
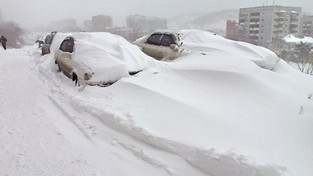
[[45, 49], [99, 58], [160, 45]]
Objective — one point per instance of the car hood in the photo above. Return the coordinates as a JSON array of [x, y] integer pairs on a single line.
[[109, 57]]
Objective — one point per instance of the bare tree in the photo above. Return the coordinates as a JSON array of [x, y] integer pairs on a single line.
[[12, 32], [303, 57]]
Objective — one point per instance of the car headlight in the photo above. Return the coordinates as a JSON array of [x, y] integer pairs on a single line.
[[87, 76]]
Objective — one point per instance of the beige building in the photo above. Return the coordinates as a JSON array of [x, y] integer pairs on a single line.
[[232, 29], [101, 22]]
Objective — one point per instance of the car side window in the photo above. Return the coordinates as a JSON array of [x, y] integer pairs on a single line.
[[167, 40], [48, 39], [67, 45], [154, 39]]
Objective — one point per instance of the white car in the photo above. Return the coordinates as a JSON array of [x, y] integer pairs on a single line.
[[99, 58], [161, 45], [45, 49]]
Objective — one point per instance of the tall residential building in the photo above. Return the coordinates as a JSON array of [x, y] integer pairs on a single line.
[[265, 24], [101, 22], [307, 26], [232, 29], [144, 23]]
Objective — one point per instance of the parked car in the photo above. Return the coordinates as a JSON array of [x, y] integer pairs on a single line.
[[161, 45], [45, 49], [99, 58]]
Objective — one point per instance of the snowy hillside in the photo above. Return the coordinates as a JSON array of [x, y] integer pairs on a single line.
[[223, 108], [214, 21]]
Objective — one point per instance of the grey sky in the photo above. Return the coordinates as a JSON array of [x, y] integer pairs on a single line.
[[41, 12]]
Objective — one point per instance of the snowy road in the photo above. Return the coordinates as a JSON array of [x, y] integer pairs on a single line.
[[32, 141], [41, 133]]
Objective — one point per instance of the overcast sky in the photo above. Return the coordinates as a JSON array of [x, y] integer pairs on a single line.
[[41, 12]]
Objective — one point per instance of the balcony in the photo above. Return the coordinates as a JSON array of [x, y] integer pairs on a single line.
[[279, 20], [278, 26], [255, 14], [255, 20], [294, 25], [252, 26]]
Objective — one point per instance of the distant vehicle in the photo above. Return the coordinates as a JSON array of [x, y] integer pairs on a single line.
[[161, 45], [98, 58], [45, 49]]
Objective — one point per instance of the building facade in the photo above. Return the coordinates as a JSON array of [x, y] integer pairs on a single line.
[[232, 29], [147, 24], [307, 26], [101, 22], [265, 24]]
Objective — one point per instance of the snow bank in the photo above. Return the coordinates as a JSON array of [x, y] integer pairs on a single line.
[[217, 113], [201, 42]]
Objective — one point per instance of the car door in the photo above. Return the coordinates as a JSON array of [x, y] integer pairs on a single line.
[[64, 59]]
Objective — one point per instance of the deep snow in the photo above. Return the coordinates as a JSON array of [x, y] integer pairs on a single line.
[[216, 114]]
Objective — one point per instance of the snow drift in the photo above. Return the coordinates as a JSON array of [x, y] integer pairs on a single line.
[[219, 113]]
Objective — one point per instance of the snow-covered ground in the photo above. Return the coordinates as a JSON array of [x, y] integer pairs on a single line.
[[217, 114]]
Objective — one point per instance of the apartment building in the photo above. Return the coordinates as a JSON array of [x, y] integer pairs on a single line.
[[265, 24], [307, 26], [232, 29], [101, 22]]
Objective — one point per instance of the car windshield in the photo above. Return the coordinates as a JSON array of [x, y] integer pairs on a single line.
[[154, 39], [167, 40]]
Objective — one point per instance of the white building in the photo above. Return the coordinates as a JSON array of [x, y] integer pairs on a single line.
[[307, 26], [265, 24]]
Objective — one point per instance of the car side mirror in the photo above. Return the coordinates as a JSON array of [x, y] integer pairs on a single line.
[[174, 47]]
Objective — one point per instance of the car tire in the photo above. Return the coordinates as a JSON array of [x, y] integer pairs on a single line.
[[75, 79], [59, 68]]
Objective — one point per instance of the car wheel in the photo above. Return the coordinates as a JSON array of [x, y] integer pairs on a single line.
[[75, 79], [59, 68]]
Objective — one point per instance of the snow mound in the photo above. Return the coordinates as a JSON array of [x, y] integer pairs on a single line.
[[215, 113], [202, 42]]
